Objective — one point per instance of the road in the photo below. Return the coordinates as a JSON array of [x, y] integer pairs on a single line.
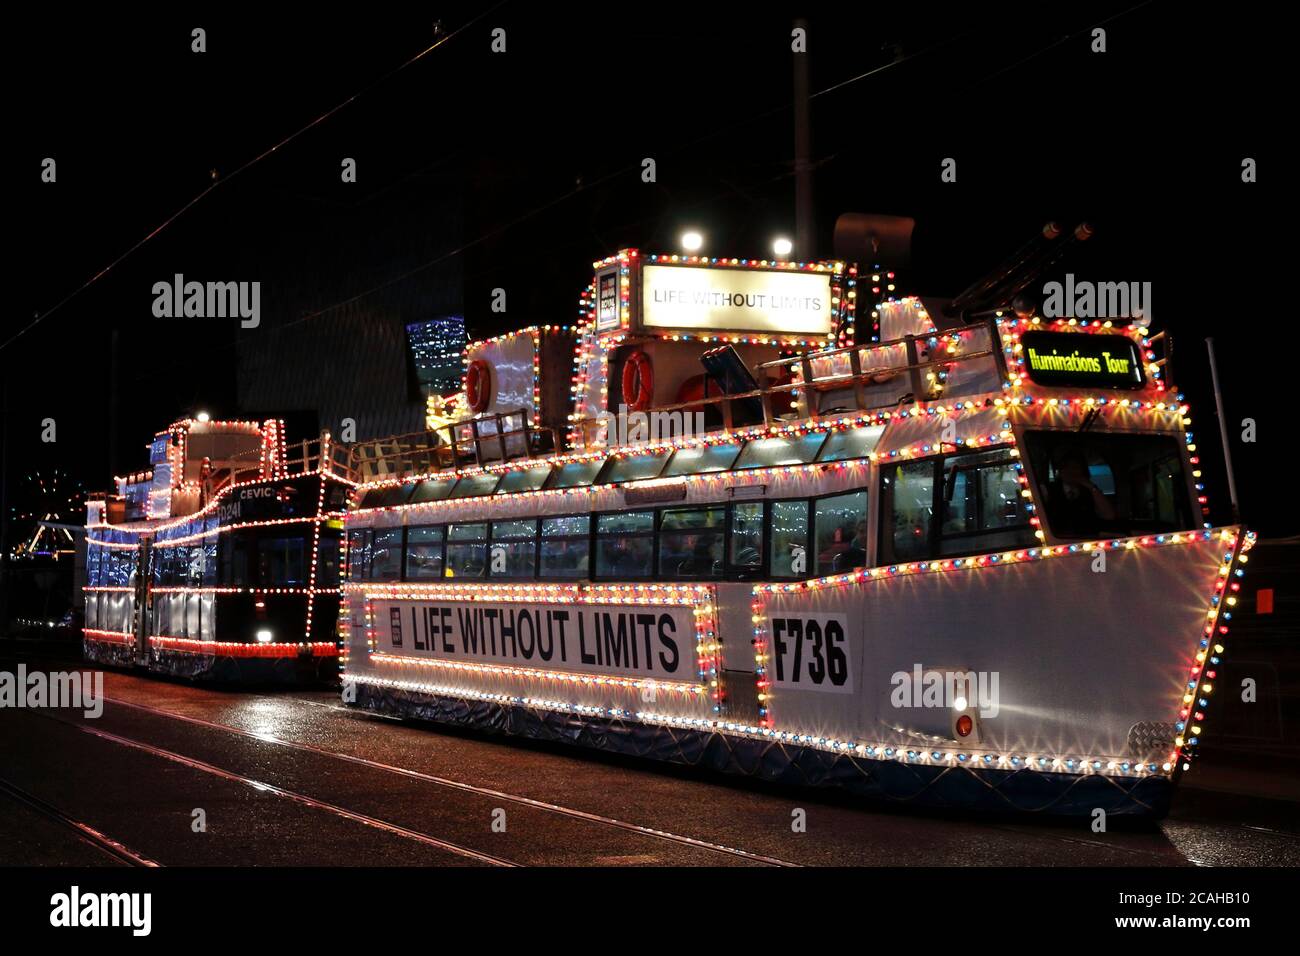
[[177, 775]]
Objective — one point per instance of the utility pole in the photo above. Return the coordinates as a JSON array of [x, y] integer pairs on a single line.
[[803, 198], [1223, 431]]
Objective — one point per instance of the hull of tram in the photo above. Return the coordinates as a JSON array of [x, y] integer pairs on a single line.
[[1075, 693]]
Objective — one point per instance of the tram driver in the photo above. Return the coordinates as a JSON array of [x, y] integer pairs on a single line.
[[1076, 507]]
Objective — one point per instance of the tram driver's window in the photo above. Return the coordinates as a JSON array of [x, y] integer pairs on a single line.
[[789, 556], [841, 524], [466, 550], [386, 555], [1099, 483]]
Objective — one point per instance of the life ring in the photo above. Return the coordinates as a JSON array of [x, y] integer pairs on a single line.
[[478, 386], [638, 381]]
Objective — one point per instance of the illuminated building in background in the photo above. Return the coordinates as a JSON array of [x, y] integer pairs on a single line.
[[436, 348]]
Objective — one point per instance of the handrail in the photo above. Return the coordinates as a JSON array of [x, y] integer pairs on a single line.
[[471, 442]]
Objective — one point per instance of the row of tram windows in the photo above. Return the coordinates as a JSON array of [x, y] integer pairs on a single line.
[[781, 539], [942, 506], [271, 557]]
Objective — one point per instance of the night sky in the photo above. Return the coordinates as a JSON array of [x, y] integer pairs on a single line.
[[516, 170]]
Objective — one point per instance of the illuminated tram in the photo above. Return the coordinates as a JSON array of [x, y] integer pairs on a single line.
[[961, 560], [220, 562]]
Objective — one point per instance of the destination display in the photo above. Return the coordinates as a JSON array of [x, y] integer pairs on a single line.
[[643, 641], [749, 300], [1071, 358]]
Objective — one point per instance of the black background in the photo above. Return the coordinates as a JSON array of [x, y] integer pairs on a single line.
[[542, 146]]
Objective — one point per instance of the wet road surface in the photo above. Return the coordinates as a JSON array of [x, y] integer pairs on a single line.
[[183, 775]]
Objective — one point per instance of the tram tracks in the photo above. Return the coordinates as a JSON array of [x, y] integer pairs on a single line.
[[110, 847], [462, 786], [292, 795]]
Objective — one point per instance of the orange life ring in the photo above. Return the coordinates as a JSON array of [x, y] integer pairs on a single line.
[[638, 381], [478, 386]]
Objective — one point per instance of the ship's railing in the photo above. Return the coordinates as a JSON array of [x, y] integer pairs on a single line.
[[499, 436], [852, 372], [300, 458]]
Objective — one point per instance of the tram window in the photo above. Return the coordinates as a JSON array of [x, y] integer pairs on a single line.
[[851, 443], [789, 558], [514, 549], [981, 493], [280, 563], [386, 555], [841, 526], [633, 467], [432, 489], [523, 479], [466, 550], [475, 485], [192, 564], [746, 537], [327, 561], [423, 553], [336, 497], [976, 496], [690, 542], [625, 544], [386, 497], [162, 567], [565, 546], [701, 460], [234, 552], [774, 452], [209, 562], [358, 553], [1097, 483], [981, 504], [576, 474]]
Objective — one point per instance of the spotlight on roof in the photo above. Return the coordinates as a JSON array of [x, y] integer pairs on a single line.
[[782, 246], [203, 417], [692, 241]]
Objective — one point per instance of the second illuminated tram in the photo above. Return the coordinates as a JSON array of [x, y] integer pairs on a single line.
[[222, 561]]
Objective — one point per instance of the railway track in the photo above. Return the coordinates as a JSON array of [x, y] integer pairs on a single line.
[[347, 813], [111, 848], [548, 807]]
